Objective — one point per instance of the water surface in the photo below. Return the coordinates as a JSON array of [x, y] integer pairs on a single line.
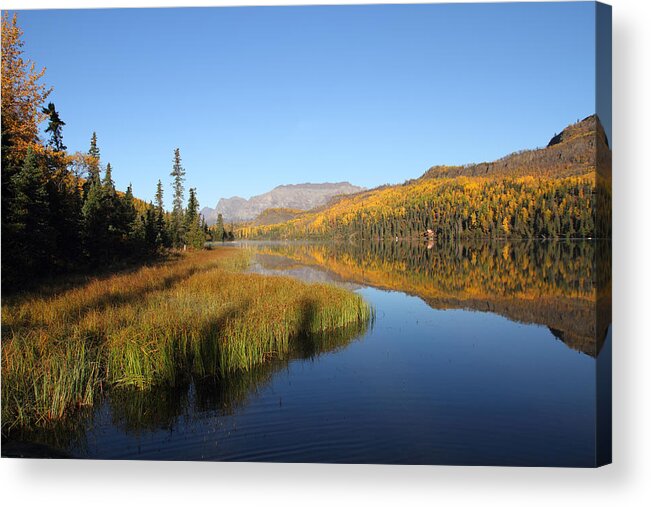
[[481, 354]]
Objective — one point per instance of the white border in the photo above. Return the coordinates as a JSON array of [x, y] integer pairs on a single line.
[[626, 482]]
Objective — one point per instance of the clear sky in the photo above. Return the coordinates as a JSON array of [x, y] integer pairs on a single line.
[[261, 96]]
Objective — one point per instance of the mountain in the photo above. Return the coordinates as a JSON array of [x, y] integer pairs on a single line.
[[560, 191], [573, 152], [303, 196], [273, 216]]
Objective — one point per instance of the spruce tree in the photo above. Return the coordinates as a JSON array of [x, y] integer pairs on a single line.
[[194, 235], [54, 127], [117, 223], [31, 240], [192, 213], [108, 183], [63, 194], [160, 226], [128, 213], [178, 174], [94, 223], [151, 229], [93, 160], [220, 232]]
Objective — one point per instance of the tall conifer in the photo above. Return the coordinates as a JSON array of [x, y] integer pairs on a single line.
[[177, 232]]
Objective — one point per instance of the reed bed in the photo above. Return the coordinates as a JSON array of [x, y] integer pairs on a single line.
[[199, 315]]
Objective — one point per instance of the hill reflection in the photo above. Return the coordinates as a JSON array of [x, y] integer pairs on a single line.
[[564, 285]]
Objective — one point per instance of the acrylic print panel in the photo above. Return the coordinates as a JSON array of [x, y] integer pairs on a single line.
[[334, 234]]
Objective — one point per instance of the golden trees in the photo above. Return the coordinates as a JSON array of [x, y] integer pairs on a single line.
[[22, 95]]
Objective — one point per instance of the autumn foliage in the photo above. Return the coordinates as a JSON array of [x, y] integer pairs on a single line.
[[553, 192], [22, 94], [62, 211]]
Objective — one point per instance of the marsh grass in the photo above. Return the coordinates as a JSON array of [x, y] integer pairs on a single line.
[[136, 411], [199, 315]]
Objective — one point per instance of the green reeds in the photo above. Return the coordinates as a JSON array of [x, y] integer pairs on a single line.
[[199, 315]]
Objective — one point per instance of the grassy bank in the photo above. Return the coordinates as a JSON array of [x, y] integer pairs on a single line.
[[198, 315]]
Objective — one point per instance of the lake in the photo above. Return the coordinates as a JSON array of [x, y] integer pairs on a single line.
[[482, 353]]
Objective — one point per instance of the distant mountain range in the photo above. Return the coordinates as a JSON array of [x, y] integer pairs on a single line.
[[303, 196]]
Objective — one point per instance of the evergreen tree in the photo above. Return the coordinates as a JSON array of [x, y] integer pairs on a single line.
[[194, 235], [160, 226], [115, 214], [54, 127], [95, 223], [176, 226], [93, 160], [220, 232], [204, 226], [129, 218], [192, 212], [22, 98], [31, 238], [108, 183], [151, 228], [63, 194]]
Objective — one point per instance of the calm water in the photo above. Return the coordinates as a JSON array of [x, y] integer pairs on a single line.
[[477, 355]]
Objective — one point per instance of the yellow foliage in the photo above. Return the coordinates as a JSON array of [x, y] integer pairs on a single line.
[[22, 94]]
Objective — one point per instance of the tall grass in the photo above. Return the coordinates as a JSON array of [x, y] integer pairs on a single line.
[[199, 315]]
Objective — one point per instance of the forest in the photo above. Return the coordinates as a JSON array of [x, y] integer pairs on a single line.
[[191, 313], [525, 207], [560, 191], [61, 211]]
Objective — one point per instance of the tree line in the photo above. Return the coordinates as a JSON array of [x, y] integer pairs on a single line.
[[61, 210], [463, 207]]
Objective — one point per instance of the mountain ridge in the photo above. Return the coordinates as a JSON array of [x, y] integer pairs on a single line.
[[561, 190], [570, 153], [296, 196]]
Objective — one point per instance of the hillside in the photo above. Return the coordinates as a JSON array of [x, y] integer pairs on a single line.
[[570, 153], [273, 216], [550, 192], [303, 196]]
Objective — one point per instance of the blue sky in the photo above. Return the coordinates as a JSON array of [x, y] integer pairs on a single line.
[[261, 96]]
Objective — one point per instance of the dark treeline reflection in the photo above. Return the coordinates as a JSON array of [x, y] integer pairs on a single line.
[[137, 411], [564, 285]]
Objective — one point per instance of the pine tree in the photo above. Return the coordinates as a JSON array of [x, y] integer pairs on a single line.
[[151, 229], [108, 183], [63, 194], [220, 232], [194, 235], [93, 160], [54, 127], [113, 212], [128, 212], [22, 98], [176, 226], [162, 239], [94, 223], [31, 238]]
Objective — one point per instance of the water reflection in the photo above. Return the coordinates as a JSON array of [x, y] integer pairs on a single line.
[[427, 382], [564, 285], [138, 412]]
